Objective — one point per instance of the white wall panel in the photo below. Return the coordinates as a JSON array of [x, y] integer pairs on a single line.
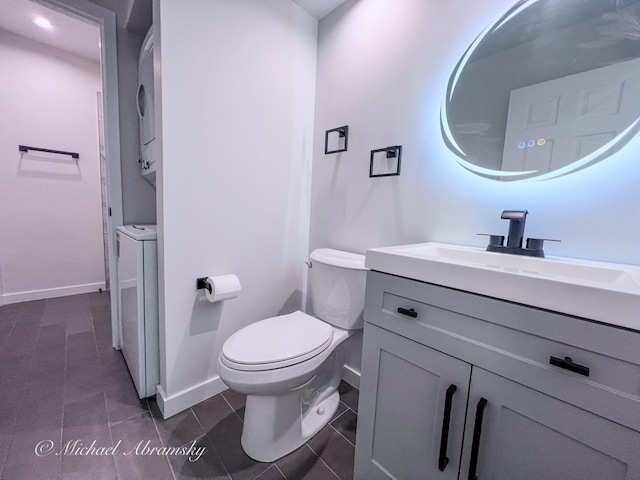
[[237, 95]]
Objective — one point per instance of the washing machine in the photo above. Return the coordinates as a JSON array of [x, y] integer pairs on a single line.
[[146, 110], [137, 260]]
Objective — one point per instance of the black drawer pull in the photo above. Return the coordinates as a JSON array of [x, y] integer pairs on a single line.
[[410, 312], [568, 364], [443, 460]]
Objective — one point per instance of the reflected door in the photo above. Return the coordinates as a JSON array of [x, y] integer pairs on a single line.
[[555, 123]]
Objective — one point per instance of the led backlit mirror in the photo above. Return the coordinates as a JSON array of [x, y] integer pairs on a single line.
[[551, 87]]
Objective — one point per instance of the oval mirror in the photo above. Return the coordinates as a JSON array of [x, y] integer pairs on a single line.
[[551, 87]]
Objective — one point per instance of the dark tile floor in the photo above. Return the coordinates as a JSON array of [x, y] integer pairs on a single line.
[[66, 397]]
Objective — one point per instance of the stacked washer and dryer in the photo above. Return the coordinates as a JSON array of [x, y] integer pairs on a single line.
[[146, 110], [137, 255]]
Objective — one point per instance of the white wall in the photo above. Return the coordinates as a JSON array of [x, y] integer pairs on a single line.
[[382, 69], [50, 209], [237, 90]]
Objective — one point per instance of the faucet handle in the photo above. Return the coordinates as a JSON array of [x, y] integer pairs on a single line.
[[538, 243], [493, 239]]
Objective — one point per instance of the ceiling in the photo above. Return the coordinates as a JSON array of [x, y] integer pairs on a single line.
[[81, 37], [67, 33], [319, 8]]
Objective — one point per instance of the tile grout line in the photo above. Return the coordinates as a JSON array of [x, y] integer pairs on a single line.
[[110, 424], [13, 326], [64, 399], [113, 456], [118, 422], [64, 387], [61, 436], [339, 433], [104, 397], [345, 411], [281, 472], [231, 407], [242, 422], [335, 430], [15, 419], [102, 381], [327, 465], [153, 421], [215, 450]]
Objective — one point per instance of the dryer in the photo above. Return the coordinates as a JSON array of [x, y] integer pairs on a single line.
[[146, 110]]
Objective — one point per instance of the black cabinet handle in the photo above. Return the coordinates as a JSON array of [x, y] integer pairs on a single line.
[[475, 446], [443, 460], [410, 312], [568, 364]]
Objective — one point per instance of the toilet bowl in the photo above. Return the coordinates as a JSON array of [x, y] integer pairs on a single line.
[[290, 366]]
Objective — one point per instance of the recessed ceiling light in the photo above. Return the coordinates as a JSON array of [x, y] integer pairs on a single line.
[[43, 23]]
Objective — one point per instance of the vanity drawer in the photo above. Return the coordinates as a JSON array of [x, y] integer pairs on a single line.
[[516, 342]]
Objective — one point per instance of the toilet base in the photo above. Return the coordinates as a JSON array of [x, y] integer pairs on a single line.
[[277, 422], [274, 425]]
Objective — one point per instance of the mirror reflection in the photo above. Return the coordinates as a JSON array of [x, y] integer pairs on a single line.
[[551, 87]]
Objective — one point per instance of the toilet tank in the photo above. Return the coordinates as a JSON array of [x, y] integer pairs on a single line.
[[337, 281]]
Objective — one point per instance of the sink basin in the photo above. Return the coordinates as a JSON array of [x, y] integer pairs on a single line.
[[605, 292]]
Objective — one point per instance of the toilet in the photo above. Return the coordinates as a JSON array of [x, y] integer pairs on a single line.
[[290, 366]]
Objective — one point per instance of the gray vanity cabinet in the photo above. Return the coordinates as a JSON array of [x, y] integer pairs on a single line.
[[530, 419], [527, 435]]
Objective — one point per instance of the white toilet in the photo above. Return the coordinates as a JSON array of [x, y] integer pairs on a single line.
[[290, 366]]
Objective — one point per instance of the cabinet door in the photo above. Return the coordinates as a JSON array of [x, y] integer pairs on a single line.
[[405, 394], [526, 435]]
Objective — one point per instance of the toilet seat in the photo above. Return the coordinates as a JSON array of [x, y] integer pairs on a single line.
[[276, 342]]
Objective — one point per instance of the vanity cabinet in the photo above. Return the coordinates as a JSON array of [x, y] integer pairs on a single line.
[[403, 424], [458, 385]]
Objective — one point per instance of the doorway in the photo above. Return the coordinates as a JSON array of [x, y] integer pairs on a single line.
[[48, 177]]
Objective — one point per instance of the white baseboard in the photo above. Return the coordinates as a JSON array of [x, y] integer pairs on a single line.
[[170, 405], [9, 298], [351, 376]]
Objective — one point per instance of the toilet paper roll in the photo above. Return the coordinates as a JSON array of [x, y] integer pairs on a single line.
[[222, 287]]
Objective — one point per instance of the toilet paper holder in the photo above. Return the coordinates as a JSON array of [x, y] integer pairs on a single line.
[[220, 287], [202, 283]]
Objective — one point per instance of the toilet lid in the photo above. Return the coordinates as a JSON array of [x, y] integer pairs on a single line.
[[277, 342]]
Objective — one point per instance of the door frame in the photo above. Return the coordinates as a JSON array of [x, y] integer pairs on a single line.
[[106, 20]]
